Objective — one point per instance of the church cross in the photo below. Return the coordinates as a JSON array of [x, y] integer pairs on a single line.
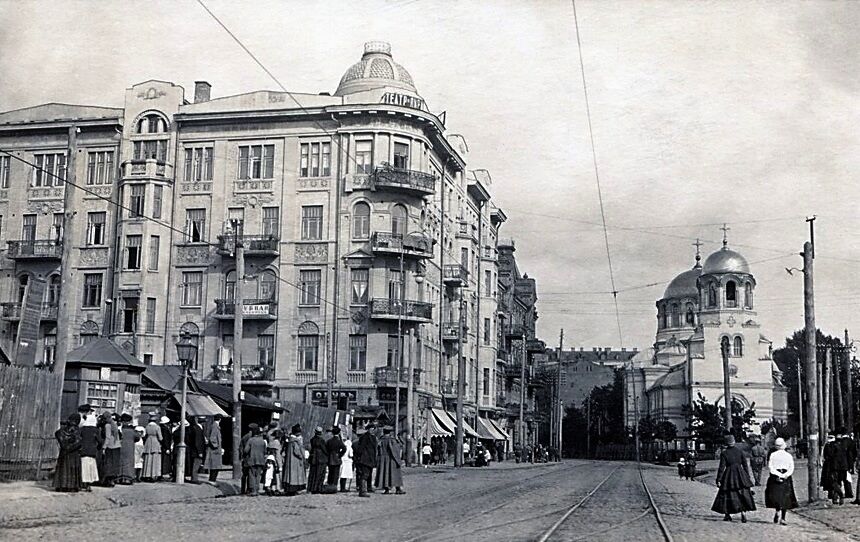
[[698, 245], [725, 229]]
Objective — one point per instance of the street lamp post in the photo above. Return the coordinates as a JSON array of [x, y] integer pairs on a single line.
[[186, 351]]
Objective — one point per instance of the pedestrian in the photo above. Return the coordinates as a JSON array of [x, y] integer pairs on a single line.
[[682, 469], [91, 444], [779, 493], [166, 449], [365, 457], [856, 465], [690, 465], [733, 480], [195, 449], [295, 478], [274, 449], [847, 444], [127, 442], [112, 450], [139, 431], [426, 454], [479, 455], [834, 469], [466, 450], [255, 452], [212, 440], [443, 447], [346, 467], [252, 428], [390, 462], [518, 452], [500, 451], [67, 476], [151, 450], [757, 459], [335, 448], [318, 461]]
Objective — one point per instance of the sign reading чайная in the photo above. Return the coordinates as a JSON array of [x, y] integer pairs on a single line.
[[393, 98]]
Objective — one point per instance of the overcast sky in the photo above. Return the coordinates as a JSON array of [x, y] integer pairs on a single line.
[[703, 113]]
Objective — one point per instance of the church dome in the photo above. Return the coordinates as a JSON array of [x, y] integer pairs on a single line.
[[375, 69], [726, 260], [684, 285]]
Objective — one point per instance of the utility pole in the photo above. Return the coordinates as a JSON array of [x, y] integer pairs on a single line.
[[461, 386], [329, 376], [727, 391], [588, 428], [811, 363], [66, 268], [238, 309], [828, 393], [836, 369], [410, 382], [849, 387], [557, 394], [398, 369], [522, 390], [800, 398]]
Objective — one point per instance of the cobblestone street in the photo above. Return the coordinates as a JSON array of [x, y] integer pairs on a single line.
[[502, 503]]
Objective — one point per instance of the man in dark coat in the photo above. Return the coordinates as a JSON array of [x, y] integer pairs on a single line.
[[254, 451], [390, 463], [252, 428], [364, 458], [166, 449], [195, 447], [757, 459], [335, 448], [318, 460], [834, 470], [847, 444]]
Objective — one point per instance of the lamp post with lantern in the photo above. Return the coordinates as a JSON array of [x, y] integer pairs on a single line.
[[186, 352]]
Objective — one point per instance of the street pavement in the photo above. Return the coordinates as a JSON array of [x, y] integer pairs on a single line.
[[505, 502]]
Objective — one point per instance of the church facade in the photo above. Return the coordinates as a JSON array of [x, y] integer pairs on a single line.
[[702, 309]]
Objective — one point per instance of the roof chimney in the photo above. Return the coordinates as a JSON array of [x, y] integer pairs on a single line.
[[202, 90]]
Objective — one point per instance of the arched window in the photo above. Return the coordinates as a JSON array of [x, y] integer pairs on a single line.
[[308, 346], [738, 347], [151, 124], [661, 317], [230, 285], [361, 221], [53, 293], [268, 287], [399, 218], [712, 295], [23, 280], [89, 332], [690, 317], [748, 295], [676, 316], [731, 294]]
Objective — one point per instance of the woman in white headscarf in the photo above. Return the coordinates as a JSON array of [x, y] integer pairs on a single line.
[[779, 493]]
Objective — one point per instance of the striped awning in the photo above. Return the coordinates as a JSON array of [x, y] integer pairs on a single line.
[[437, 429], [450, 423], [488, 431], [505, 434]]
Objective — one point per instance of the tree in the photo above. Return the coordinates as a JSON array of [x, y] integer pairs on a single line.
[[783, 429], [666, 431], [707, 420], [647, 429]]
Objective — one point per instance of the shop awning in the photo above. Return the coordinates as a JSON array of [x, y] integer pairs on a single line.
[[450, 423], [201, 405], [488, 431], [435, 428], [497, 427]]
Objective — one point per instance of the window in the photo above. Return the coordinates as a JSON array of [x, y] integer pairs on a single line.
[[731, 294], [312, 216], [133, 248], [464, 257], [676, 316], [150, 315], [488, 283], [487, 333], [198, 164], [23, 280], [4, 171], [360, 279], [150, 150], [748, 295], [100, 167], [486, 381], [57, 226], [712, 295], [28, 229], [310, 284], [136, 201], [256, 162], [690, 318], [361, 221], [236, 217], [96, 228], [399, 218], [92, 289], [394, 343], [151, 124], [230, 285], [268, 287], [49, 169], [195, 225], [154, 242], [395, 286], [53, 297], [271, 221], [401, 155], [147, 359], [364, 156], [157, 198], [192, 288], [357, 352], [738, 347], [129, 314], [266, 350], [102, 396], [308, 352], [315, 160], [89, 332]]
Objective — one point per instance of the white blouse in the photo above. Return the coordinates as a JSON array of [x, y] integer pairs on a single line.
[[780, 460]]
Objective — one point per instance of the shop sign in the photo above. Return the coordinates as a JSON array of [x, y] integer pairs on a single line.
[[403, 100]]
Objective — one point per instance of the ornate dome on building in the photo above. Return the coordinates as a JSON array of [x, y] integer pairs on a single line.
[[684, 285], [375, 69], [725, 260]]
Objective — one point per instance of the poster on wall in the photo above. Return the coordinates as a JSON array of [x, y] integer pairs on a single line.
[[131, 405], [28, 328]]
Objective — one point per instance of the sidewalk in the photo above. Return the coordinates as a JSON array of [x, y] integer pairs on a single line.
[[30, 501]]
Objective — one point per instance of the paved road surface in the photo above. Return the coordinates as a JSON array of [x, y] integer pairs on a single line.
[[497, 504]]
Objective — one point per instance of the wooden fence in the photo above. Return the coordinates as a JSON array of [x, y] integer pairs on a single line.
[[29, 410]]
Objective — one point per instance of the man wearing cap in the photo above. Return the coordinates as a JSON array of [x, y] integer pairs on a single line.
[[213, 447], [757, 459], [364, 457], [318, 461], [295, 478], [335, 448], [252, 429], [255, 456], [390, 461], [166, 448], [834, 469], [195, 447]]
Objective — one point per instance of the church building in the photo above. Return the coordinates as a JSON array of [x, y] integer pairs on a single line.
[[701, 309]]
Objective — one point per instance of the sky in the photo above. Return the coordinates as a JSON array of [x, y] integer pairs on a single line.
[[703, 113]]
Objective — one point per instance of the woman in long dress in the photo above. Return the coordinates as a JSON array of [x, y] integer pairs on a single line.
[[295, 477], [91, 444], [112, 450], [779, 493], [346, 474], [151, 451], [68, 474], [126, 465], [734, 481]]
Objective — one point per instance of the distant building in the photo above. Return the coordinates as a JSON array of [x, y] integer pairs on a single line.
[[583, 370]]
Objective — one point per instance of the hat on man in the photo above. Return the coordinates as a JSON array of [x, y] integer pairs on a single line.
[[252, 427], [318, 430], [335, 430], [387, 429], [125, 417], [296, 429], [165, 419], [730, 439], [779, 443], [85, 408]]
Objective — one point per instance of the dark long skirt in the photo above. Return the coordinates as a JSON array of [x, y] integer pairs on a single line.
[[316, 478], [780, 495], [126, 463], [68, 474], [733, 501], [111, 464]]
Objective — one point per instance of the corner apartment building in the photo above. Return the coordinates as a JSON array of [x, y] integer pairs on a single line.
[[367, 242]]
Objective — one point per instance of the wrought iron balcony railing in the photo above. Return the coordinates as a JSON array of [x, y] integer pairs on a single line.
[[394, 243], [455, 274], [515, 331], [535, 345], [35, 249], [388, 376], [450, 331], [393, 309], [418, 182], [249, 372], [146, 168], [12, 311], [252, 309], [255, 245]]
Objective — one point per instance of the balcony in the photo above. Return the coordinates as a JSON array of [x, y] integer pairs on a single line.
[[356, 377], [253, 373], [467, 230], [449, 387], [146, 169], [12, 311], [255, 245], [503, 356], [450, 331], [406, 180], [394, 309], [252, 309], [515, 331], [44, 249], [514, 371], [416, 244], [388, 377], [535, 345], [455, 275]]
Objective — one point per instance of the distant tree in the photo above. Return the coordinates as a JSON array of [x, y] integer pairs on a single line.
[[666, 431], [647, 429], [783, 429], [707, 420]]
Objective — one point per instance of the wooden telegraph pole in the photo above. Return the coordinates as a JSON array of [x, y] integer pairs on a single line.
[[836, 369], [238, 307], [727, 391], [849, 386], [812, 431]]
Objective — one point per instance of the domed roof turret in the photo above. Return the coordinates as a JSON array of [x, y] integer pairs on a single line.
[[726, 260], [375, 69], [684, 285]]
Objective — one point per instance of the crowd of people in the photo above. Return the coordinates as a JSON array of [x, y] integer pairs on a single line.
[[536, 454]]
